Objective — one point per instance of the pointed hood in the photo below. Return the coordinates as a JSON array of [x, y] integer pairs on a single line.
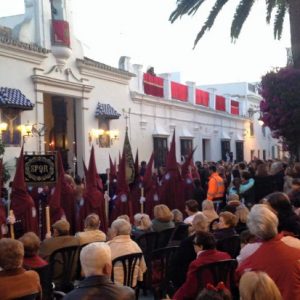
[[121, 178], [129, 162], [112, 170], [171, 163], [147, 182], [186, 164], [93, 178]]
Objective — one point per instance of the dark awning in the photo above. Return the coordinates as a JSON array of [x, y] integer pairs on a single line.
[[13, 98], [106, 111]]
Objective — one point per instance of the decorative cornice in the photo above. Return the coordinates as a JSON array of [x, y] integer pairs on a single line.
[[140, 98], [26, 52], [99, 70], [77, 89]]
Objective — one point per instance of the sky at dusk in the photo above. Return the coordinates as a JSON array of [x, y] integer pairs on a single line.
[[140, 29]]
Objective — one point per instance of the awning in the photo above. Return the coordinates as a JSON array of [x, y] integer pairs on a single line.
[[184, 132], [13, 98], [160, 131], [105, 111], [239, 137], [225, 136]]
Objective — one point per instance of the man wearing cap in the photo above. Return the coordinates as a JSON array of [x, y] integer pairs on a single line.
[[60, 239]]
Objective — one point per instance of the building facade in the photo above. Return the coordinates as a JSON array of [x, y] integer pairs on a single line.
[[52, 97]]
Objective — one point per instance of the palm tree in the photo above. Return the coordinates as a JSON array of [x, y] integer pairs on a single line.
[[282, 7]]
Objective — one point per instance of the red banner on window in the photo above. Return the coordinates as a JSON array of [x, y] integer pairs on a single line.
[[153, 85], [235, 107], [179, 91], [202, 97], [220, 103], [61, 32]]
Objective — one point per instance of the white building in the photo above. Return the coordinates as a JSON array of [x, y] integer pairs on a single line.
[[46, 80]]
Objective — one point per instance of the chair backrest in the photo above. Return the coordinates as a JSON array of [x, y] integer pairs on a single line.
[[129, 263], [180, 233], [148, 243], [223, 270], [164, 237], [63, 266], [46, 281], [160, 262], [231, 245], [212, 224]]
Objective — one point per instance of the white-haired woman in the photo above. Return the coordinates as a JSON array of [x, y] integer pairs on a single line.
[[273, 253], [209, 210], [142, 224]]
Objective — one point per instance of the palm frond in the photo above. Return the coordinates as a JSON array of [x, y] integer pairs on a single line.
[[271, 4], [211, 19], [240, 16], [185, 7], [279, 19]]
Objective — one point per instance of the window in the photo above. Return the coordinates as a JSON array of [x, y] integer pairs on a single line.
[[225, 149], [160, 145], [251, 129], [239, 148], [258, 154], [186, 147], [11, 136], [273, 152]]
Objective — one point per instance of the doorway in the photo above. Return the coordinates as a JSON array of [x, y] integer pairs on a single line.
[[206, 150], [239, 149], [60, 116], [225, 149]]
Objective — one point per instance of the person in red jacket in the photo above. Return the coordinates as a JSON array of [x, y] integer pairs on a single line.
[[205, 247], [273, 253]]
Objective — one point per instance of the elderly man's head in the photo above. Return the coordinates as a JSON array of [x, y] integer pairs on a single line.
[[11, 254], [262, 222], [200, 222], [92, 222], [95, 259], [121, 227]]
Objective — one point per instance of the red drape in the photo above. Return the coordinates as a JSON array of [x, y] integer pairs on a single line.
[[235, 107], [153, 85], [61, 32], [220, 103], [179, 91], [202, 97]]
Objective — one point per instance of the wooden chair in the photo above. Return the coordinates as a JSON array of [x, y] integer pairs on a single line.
[[231, 245], [164, 238], [63, 267], [223, 270], [160, 263], [179, 233]]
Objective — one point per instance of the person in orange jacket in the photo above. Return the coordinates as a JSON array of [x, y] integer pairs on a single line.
[[216, 187]]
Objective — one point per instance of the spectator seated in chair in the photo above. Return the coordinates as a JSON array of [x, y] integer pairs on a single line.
[[218, 292], [31, 243], [162, 218], [227, 222], [275, 254], [191, 209], [121, 244], [208, 210], [142, 224], [177, 217], [96, 262], [15, 282], [205, 247], [60, 239], [91, 231]]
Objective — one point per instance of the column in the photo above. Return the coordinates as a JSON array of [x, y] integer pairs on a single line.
[[191, 92], [167, 85], [212, 98], [137, 83], [39, 107]]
